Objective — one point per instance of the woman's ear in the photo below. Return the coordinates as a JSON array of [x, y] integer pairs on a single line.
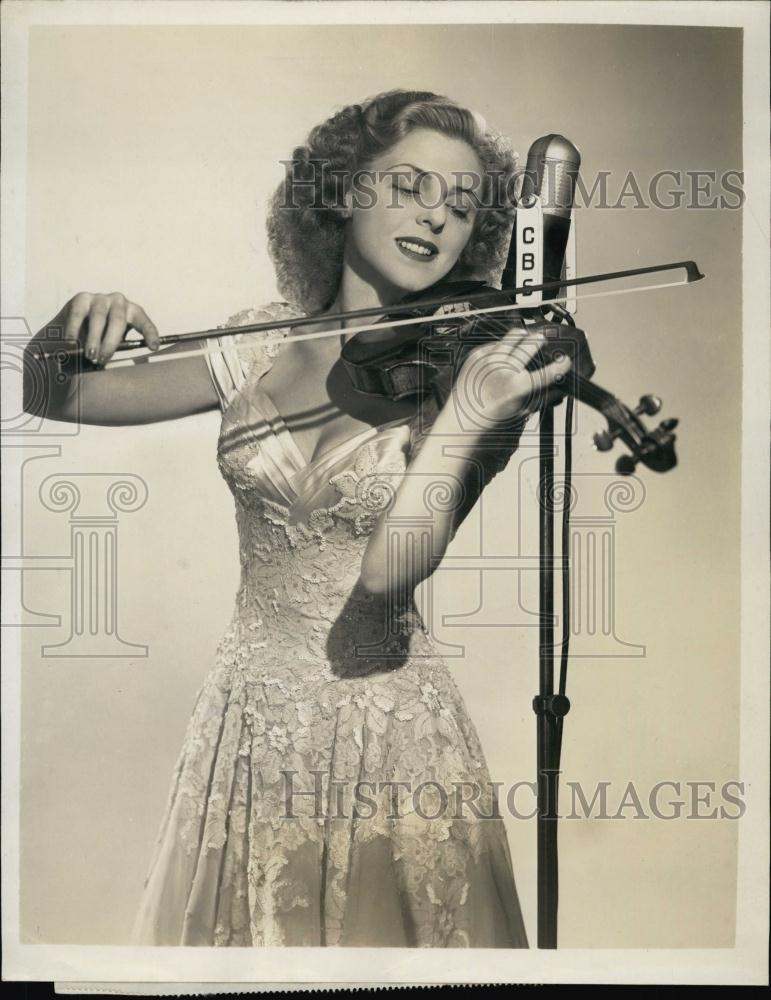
[[345, 211]]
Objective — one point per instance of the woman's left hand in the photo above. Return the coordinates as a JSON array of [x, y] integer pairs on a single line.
[[494, 384]]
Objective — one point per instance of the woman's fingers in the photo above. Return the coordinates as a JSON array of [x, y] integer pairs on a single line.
[[97, 320], [525, 346], [116, 328], [549, 375], [76, 312], [522, 345], [515, 343], [139, 320], [101, 322]]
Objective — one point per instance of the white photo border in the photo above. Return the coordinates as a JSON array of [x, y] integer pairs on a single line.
[[746, 962]]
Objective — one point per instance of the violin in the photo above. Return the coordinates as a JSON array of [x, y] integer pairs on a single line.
[[392, 360], [424, 356]]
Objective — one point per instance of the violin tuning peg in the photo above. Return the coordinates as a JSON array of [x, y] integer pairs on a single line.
[[625, 465], [603, 441], [648, 405], [669, 424]]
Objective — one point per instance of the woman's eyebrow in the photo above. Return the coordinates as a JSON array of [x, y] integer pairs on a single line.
[[422, 173], [412, 166]]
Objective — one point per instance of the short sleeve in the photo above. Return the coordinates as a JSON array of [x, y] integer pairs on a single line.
[[232, 359]]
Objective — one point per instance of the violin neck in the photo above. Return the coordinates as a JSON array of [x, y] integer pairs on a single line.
[[586, 391]]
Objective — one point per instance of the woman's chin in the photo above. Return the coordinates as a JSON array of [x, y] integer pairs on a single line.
[[411, 280]]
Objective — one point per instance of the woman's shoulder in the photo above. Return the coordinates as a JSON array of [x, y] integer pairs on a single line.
[[267, 313], [258, 346], [241, 356]]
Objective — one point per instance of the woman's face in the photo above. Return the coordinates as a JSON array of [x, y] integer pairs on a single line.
[[413, 211]]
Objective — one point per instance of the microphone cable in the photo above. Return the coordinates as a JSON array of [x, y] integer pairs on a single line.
[[564, 316]]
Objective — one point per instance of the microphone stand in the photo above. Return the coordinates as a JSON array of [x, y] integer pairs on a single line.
[[550, 708], [546, 196]]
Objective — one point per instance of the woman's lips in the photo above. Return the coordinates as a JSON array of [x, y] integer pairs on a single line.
[[417, 249]]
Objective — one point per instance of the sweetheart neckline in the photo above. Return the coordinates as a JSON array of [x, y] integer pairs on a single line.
[[304, 465], [300, 460]]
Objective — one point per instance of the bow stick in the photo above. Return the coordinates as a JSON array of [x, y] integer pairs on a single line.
[[692, 274]]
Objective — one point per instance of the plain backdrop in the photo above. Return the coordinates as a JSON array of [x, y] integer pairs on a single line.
[[151, 155]]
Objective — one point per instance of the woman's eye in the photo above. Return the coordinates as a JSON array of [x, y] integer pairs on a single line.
[[459, 211]]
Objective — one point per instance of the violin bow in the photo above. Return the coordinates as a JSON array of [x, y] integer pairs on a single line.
[[692, 274]]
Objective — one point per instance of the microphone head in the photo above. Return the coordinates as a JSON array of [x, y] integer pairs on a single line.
[[550, 173]]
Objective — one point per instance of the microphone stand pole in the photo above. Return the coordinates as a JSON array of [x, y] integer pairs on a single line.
[[549, 707]]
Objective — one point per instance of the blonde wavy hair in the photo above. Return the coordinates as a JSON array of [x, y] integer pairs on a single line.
[[306, 228]]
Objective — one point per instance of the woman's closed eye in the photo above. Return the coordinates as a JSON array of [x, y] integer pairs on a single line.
[[411, 191], [459, 211]]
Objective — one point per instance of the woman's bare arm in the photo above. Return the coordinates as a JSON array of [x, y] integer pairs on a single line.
[[495, 386], [139, 393]]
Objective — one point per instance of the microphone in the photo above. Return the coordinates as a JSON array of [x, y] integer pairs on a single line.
[[550, 175]]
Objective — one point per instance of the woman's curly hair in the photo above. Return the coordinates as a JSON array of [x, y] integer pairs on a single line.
[[306, 228]]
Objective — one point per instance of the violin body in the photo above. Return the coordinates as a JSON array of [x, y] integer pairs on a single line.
[[424, 356], [406, 361]]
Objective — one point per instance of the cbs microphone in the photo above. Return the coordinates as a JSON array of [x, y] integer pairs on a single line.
[[542, 227]]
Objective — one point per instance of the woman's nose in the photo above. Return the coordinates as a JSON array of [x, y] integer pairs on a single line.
[[432, 215]]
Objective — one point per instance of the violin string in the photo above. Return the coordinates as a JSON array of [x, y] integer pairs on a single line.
[[410, 321]]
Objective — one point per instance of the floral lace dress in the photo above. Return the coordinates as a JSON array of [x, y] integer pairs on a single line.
[[331, 788]]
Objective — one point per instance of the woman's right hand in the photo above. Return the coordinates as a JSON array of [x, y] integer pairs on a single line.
[[100, 322], [135, 393]]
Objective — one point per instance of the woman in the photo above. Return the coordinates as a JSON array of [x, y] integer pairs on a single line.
[[332, 789]]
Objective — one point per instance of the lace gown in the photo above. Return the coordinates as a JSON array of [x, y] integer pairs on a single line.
[[331, 788]]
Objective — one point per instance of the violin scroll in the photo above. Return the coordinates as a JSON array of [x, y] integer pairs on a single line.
[[654, 448]]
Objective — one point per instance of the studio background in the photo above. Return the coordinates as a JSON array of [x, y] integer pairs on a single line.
[[151, 155]]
